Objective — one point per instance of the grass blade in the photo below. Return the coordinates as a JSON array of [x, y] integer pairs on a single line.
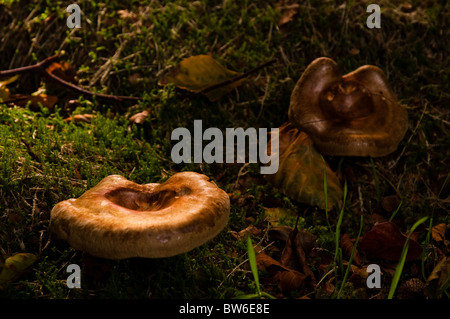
[[401, 263], [253, 267], [351, 257]]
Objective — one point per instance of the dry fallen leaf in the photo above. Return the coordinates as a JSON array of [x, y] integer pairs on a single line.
[[34, 102], [301, 170], [346, 244], [438, 232], [385, 241], [288, 279], [288, 13], [79, 118], [139, 118], [439, 278], [63, 70], [279, 215], [297, 248], [198, 73], [4, 91], [390, 203], [15, 266]]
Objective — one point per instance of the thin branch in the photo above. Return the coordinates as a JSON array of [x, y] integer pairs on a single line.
[[86, 92], [35, 67], [41, 67]]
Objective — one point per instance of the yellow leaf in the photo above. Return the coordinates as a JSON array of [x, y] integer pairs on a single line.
[[4, 92], [14, 266], [439, 278], [280, 215], [301, 170], [198, 73]]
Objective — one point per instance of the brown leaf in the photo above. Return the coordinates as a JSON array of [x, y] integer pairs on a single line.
[[438, 232], [390, 203], [139, 118], [279, 233], [35, 102], [79, 118], [295, 252], [288, 13], [386, 241], [439, 277], [198, 73], [288, 279], [63, 70], [267, 263], [250, 230], [353, 51], [301, 170], [346, 244]]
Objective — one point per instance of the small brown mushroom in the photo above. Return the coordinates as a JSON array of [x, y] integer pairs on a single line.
[[356, 114], [119, 219]]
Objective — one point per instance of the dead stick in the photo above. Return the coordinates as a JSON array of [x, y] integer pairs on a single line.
[[41, 67], [86, 92], [35, 67]]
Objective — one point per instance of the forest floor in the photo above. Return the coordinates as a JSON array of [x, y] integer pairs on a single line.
[[124, 50]]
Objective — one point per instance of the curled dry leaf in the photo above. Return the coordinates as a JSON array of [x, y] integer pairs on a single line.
[[63, 70], [439, 278], [347, 245], [438, 232], [198, 73], [140, 117], [288, 279], [297, 248], [301, 170], [288, 12], [386, 241], [80, 118]]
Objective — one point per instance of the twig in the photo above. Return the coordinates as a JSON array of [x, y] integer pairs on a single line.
[[86, 92], [41, 67], [30, 151], [35, 67]]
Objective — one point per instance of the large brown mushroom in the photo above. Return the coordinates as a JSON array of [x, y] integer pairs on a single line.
[[356, 114], [119, 219]]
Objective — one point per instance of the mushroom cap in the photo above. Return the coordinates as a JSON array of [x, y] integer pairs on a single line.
[[119, 219], [356, 114]]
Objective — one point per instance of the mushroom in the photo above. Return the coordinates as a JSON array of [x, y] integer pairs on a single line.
[[120, 219], [356, 114]]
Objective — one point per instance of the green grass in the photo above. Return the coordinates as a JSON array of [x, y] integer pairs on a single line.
[[45, 160], [401, 263]]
